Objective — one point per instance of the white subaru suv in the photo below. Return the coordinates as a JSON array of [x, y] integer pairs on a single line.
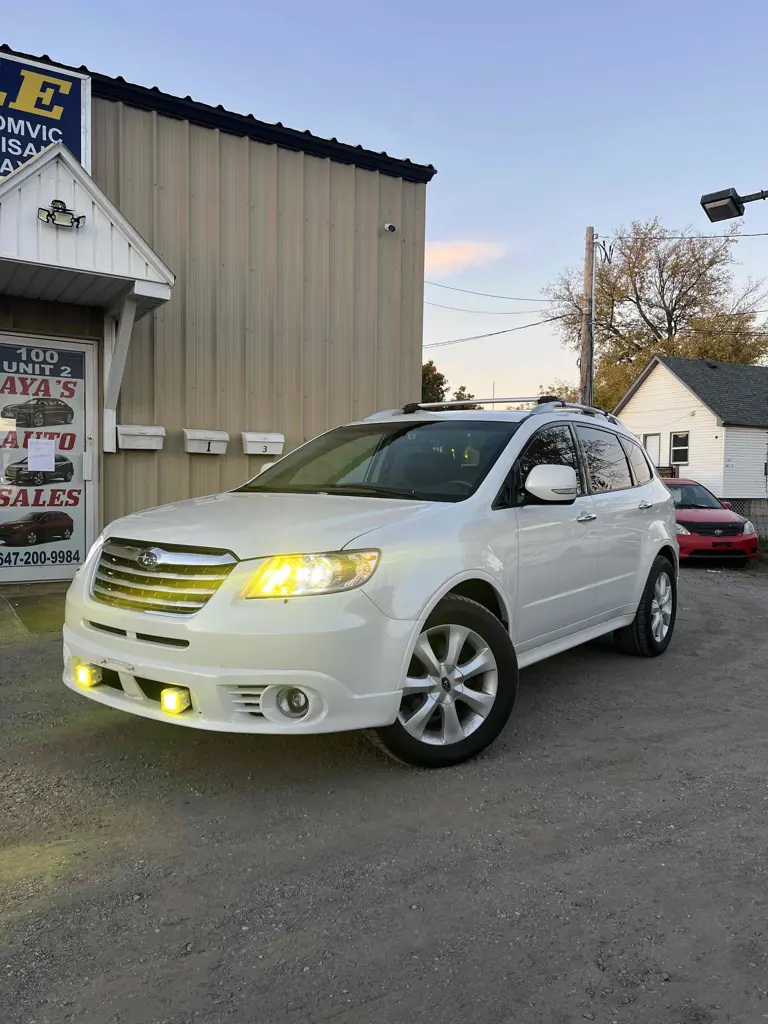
[[391, 575]]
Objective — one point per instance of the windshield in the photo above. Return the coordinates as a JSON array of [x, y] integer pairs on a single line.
[[427, 461], [693, 496]]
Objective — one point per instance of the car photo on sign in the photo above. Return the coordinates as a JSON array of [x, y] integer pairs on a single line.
[[19, 473], [36, 528], [39, 412]]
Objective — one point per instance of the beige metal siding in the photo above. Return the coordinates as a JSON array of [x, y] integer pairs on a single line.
[[293, 310], [663, 405]]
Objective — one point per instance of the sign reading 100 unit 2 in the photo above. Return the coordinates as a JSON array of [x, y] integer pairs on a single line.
[[39, 106]]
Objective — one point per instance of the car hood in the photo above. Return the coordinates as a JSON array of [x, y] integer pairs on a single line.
[[13, 408], [257, 524], [8, 523], [707, 515]]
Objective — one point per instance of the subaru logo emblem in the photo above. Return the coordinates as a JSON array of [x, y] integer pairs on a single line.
[[147, 559], [718, 533]]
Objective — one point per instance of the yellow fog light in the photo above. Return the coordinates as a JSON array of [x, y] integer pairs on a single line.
[[87, 675], [175, 699]]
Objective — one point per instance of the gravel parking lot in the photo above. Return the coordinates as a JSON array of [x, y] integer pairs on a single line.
[[605, 860]]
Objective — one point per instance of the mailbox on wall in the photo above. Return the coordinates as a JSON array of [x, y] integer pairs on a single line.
[[262, 444], [137, 435], [205, 442]]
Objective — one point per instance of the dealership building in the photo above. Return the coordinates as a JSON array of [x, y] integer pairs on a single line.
[[185, 292]]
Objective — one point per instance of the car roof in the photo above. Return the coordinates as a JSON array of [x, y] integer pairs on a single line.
[[500, 416]]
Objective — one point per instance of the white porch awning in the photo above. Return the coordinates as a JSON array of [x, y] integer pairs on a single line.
[[103, 262]]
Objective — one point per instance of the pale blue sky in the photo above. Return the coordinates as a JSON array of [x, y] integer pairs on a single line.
[[540, 117]]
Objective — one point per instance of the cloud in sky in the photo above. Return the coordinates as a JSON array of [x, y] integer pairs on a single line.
[[446, 258]]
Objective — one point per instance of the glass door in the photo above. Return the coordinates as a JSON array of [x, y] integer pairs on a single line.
[[47, 457]]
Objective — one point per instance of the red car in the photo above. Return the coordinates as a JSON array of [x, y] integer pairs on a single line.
[[36, 528], [708, 528]]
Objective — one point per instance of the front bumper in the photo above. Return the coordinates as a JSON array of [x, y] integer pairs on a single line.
[[234, 656], [694, 545]]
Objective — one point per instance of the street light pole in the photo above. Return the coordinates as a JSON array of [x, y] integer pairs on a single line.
[[727, 203], [586, 362]]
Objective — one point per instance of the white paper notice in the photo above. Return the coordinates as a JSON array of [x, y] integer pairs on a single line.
[[41, 454]]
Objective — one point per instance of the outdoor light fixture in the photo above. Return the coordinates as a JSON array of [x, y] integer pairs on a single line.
[[58, 215], [727, 204]]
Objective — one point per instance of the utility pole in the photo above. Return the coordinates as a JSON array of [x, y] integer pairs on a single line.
[[586, 362]]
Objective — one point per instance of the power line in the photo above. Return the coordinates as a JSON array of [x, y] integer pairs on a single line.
[[485, 295], [492, 312], [492, 334], [682, 238]]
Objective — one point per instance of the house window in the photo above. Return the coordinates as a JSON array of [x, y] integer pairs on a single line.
[[679, 449]]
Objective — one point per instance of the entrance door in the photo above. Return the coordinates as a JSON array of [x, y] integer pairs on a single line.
[[48, 457], [652, 444]]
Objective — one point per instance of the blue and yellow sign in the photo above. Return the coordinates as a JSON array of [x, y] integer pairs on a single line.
[[41, 105]]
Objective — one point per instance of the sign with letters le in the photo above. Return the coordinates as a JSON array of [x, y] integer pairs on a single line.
[[41, 105]]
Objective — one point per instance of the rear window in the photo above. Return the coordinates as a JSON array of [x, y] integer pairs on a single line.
[[637, 458], [443, 460]]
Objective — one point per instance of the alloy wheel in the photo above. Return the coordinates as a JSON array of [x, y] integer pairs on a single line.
[[451, 685], [661, 607]]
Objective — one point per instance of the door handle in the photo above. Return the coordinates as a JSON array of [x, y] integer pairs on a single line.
[[586, 517], [645, 504]]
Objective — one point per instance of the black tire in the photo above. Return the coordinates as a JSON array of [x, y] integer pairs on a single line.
[[399, 744], [37, 479], [740, 563], [638, 638], [68, 474], [38, 420], [69, 416], [31, 538], [67, 534]]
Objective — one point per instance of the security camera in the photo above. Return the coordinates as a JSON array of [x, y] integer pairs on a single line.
[[390, 227]]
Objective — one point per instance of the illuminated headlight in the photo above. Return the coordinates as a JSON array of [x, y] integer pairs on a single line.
[[300, 575], [749, 529], [682, 529]]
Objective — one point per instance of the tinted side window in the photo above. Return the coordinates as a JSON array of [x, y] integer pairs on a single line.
[[639, 462], [607, 467], [552, 446]]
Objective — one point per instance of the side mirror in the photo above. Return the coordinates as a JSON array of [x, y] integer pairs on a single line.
[[725, 504], [267, 465], [553, 483]]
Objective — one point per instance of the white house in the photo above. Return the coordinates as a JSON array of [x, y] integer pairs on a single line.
[[707, 421]]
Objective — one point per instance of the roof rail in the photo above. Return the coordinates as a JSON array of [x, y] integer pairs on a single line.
[[585, 410], [412, 407]]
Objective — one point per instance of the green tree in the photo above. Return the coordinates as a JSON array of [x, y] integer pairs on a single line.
[[560, 388], [435, 388], [662, 293], [434, 384], [460, 394]]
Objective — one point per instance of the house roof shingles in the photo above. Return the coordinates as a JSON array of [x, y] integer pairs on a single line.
[[737, 394], [187, 109]]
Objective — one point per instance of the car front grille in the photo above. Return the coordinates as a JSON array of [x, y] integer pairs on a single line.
[[172, 580], [714, 529]]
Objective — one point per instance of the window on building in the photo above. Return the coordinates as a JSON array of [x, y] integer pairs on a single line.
[[679, 449], [607, 465]]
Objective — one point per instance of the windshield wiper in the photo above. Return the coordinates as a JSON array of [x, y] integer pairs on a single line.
[[368, 490]]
